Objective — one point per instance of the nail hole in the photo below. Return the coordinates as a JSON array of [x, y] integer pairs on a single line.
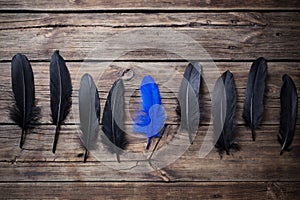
[[80, 155], [127, 74]]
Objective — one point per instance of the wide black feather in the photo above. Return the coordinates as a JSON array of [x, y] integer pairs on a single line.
[[188, 106], [89, 113], [113, 119], [24, 112], [288, 113], [254, 97], [60, 93], [223, 112]]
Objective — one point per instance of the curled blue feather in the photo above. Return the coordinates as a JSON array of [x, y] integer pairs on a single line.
[[150, 118]]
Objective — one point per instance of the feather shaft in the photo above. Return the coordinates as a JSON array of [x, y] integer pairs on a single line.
[[85, 155], [288, 113], [60, 93], [113, 119], [24, 112], [254, 96], [188, 99], [89, 113], [223, 111], [150, 118]]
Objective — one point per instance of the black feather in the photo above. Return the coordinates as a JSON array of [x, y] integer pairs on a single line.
[[113, 119], [254, 97], [89, 113], [288, 114], [188, 106], [223, 111], [60, 93], [24, 112]]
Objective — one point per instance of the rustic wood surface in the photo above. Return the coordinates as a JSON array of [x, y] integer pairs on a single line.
[[186, 190], [234, 33], [235, 36], [75, 5]]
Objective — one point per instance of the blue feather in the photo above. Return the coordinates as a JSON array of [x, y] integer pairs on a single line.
[[150, 118]]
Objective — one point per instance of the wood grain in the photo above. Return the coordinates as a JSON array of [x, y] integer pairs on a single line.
[[36, 162], [82, 36], [135, 20], [134, 190], [106, 73], [255, 161], [234, 33], [79, 5]]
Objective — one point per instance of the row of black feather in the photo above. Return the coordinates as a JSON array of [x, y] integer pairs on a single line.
[[25, 113], [224, 105]]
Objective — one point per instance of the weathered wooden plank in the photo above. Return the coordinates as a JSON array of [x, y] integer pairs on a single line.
[[280, 190], [105, 74], [57, 171], [160, 43], [38, 142], [123, 20], [255, 161], [148, 5], [225, 35], [259, 161], [271, 113], [136, 190]]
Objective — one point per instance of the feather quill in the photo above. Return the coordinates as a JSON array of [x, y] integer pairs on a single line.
[[24, 112], [288, 114], [188, 105], [254, 97], [150, 118], [89, 113], [223, 111], [113, 119], [60, 93]]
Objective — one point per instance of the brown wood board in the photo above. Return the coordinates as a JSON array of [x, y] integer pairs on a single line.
[[233, 33]]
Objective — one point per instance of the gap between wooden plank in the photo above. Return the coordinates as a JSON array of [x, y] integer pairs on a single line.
[[135, 5], [147, 11]]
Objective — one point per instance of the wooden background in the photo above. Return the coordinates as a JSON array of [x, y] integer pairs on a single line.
[[234, 33]]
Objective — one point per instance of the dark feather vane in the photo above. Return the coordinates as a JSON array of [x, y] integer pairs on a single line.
[[113, 119], [89, 113], [288, 114], [188, 105], [24, 112], [223, 111], [60, 92], [150, 118], [254, 97]]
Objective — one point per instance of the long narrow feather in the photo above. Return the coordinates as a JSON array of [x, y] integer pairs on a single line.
[[254, 97], [89, 113], [24, 112], [60, 93], [113, 119], [188, 106], [150, 119], [223, 112], [288, 114]]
